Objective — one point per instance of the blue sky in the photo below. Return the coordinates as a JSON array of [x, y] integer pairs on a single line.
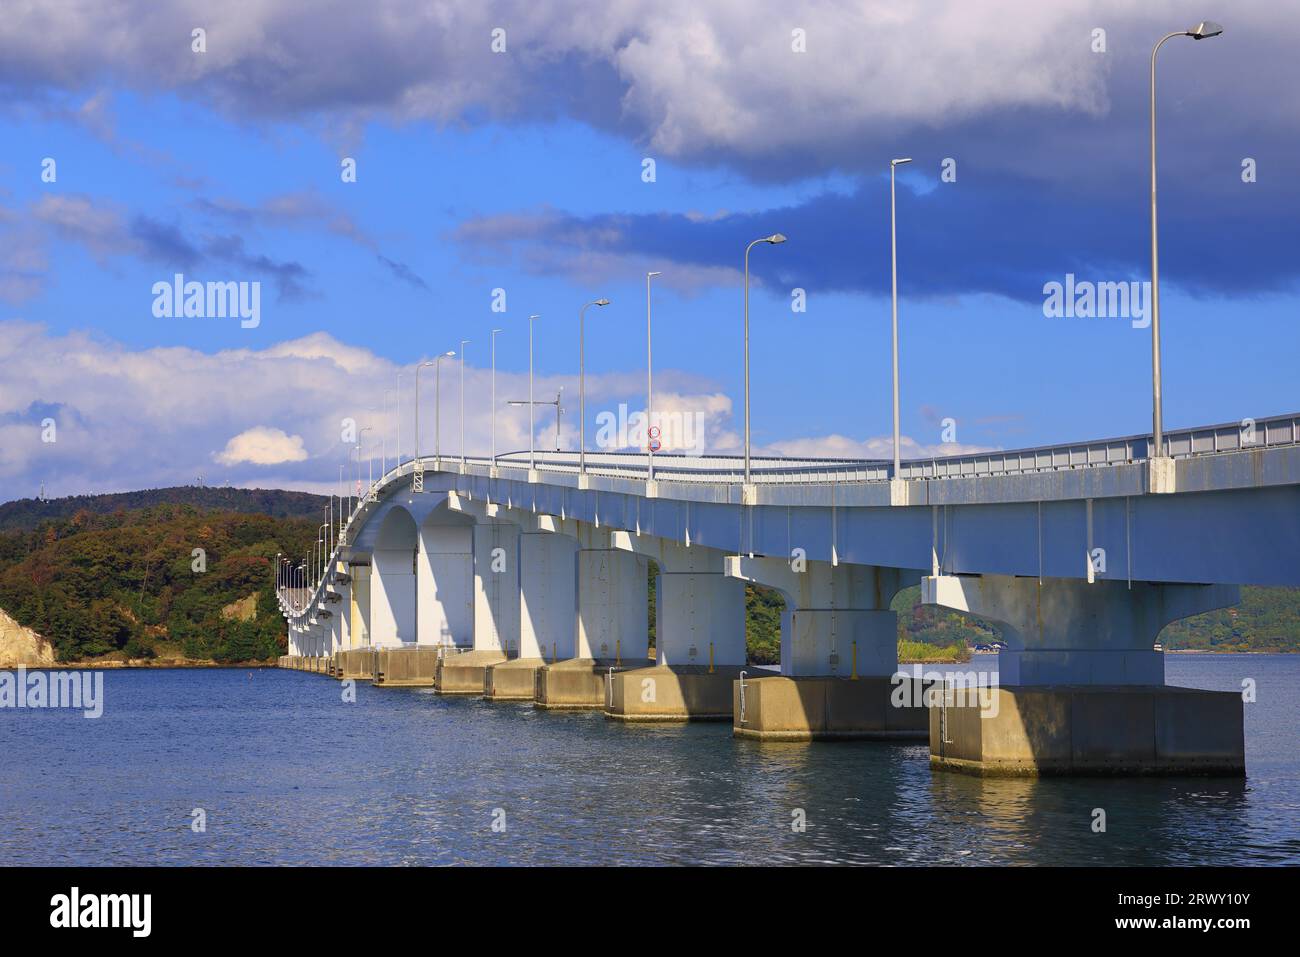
[[523, 171]]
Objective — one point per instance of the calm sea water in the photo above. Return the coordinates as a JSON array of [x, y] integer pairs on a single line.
[[288, 773]]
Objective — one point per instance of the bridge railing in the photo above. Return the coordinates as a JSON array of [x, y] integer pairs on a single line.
[[1268, 432]]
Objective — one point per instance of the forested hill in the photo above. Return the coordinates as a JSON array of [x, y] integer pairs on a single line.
[[169, 581], [28, 513]]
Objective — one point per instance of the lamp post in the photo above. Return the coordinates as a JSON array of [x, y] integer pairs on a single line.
[[893, 267], [397, 410], [773, 239], [359, 434], [1202, 31], [559, 410], [417, 397], [463, 344], [582, 387], [437, 408], [649, 383], [387, 393], [532, 452], [493, 339]]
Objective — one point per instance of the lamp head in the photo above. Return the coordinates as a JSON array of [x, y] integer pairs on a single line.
[[775, 238], [900, 162], [602, 302], [655, 273], [1204, 30]]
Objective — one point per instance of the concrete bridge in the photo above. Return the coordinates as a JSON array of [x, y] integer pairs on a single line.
[[524, 577]]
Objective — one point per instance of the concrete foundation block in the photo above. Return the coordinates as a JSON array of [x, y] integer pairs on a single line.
[[779, 708], [671, 693], [514, 680], [1090, 730], [409, 667], [577, 684], [466, 673], [355, 664]]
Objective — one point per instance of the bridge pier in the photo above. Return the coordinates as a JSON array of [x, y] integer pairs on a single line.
[[699, 638], [495, 548], [339, 600], [613, 633], [547, 569], [1080, 689], [839, 653], [359, 604]]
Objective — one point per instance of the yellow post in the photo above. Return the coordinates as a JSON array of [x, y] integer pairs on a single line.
[[710, 657], [854, 676]]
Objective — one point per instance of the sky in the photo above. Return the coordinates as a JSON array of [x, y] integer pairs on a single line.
[[396, 177]]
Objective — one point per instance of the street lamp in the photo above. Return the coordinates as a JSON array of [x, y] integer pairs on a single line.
[[893, 267], [397, 409], [649, 382], [532, 453], [1202, 31], [359, 434], [559, 410], [493, 338], [773, 239], [437, 408], [582, 387], [463, 344], [387, 393], [417, 397]]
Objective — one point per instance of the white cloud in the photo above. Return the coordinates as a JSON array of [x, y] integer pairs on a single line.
[[261, 445], [276, 417]]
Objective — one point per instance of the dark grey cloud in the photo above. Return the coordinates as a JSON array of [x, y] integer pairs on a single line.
[[403, 272]]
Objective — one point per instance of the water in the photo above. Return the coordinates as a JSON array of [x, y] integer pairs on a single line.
[[289, 774]]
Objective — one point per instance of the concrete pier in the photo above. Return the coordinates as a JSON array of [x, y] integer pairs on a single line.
[[1081, 688], [677, 693], [839, 652], [410, 666], [699, 637], [826, 709], [465, 673], [1090, 731], [356, 664], [576, 685], [513, 680]]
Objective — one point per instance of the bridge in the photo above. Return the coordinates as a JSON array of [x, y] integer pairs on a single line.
[[524, 577]]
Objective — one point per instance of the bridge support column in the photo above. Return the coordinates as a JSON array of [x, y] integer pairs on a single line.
[[839, 656], [548, 590], [613, 619], [496, 610], [699, 638], [1080, 689], [359, 605], [340, 625]]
